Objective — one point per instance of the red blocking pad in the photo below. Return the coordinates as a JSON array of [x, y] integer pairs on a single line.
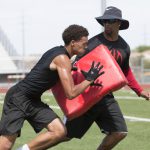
[[112, 80]]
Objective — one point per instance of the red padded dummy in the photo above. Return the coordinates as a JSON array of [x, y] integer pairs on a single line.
[[113, 79]]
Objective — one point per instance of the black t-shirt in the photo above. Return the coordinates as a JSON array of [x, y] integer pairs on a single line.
[[41, 78], [119, 49]]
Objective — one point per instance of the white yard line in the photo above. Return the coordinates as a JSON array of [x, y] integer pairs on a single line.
[[137, 119], [130, 118], [129, 97], [54, 107]]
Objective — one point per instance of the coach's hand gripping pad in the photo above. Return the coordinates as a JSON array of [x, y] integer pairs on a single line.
[[113, 79]]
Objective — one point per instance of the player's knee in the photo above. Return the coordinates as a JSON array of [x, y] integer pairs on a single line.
[[61, 133], [120, 135], [6, 146], [57, 129], [123, 135], [7, 142]]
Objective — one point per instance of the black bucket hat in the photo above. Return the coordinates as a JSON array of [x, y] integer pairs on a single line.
[[113, 13]]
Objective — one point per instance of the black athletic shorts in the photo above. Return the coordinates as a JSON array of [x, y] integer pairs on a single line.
[[106, 114], [19, 107]]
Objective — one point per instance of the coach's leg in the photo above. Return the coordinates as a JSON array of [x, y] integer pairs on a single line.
[[7, 142], [112, 123], [111, 140], [55, 132]]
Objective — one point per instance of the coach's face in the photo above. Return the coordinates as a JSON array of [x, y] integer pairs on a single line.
[[111, 26], [79, 46]]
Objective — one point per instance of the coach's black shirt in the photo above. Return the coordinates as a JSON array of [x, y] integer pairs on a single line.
[[41, 78]]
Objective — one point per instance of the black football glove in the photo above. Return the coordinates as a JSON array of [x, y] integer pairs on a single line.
[[93, 83], [94, 72]]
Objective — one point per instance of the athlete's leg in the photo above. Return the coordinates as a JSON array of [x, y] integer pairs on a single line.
[[7, 142], [111, 140], [112, 123], [11, 120], [55, 132], [42, 116]]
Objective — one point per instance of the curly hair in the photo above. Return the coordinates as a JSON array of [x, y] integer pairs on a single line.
[[74, 32]]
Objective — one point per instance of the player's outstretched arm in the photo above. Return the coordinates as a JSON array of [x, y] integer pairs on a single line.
[[63, 66]]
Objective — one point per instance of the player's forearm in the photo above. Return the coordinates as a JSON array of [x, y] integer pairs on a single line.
[[78, 89]]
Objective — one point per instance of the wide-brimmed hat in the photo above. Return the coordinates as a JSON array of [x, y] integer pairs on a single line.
[[113, 13]]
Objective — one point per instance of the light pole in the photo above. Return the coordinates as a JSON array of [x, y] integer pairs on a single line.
[[23, 43], [103, 6]]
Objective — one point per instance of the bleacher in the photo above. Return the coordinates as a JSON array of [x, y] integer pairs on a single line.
[[7, 50], [8, 65]]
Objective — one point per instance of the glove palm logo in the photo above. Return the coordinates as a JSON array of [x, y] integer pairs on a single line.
[[92, 72]]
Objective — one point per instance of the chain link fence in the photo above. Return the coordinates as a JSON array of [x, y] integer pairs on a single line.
[[141, 69]]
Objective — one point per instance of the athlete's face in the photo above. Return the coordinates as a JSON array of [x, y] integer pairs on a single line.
[[111, 26], [80, 45]]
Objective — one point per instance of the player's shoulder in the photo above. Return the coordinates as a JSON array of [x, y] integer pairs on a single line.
[[55, 51], [56, 48], [95, 38], [123, 41], [94, 41]]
